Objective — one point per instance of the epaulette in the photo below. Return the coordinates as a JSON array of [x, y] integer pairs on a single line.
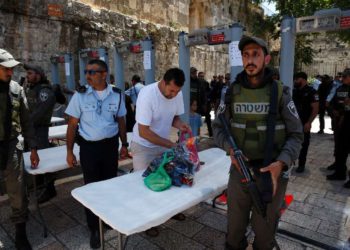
[[116, 90], [81, 88]]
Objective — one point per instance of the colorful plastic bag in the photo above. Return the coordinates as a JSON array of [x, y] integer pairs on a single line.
[[190, 142], [159, 180]]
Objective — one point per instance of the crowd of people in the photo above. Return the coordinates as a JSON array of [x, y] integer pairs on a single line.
[[270, 126]]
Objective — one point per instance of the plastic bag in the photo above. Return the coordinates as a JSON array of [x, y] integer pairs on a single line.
[[190, 143], [159, 180]]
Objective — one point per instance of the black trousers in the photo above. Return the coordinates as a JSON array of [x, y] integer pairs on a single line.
[[343, 146], [99, 161], [304, 149]]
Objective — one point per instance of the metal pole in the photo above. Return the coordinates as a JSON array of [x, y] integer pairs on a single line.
[[184, 64], [82, 65], [236, 34], [288, 36], [148, 53], [118, 69], [54, 73], [103, 54], [69, 70]]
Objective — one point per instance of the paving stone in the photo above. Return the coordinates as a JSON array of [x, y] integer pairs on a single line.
[[211, 238], [56, 220], [187, 227], [340, 197], [196, 211], [334, 230], [287, 244], [171, 240], [5, 241], [135, 242], [35, 233], [67, 204], [54, 246], [5, 211], [75, 238], [314, 235], [298, 196], [78, 215], [214, 220], [306, 189], [301, 207], [302, 220], [332, 205], [325, 215]]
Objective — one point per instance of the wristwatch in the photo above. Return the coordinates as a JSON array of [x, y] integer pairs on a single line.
[[125, 144]]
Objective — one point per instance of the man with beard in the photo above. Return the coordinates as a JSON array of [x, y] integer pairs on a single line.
[[306, 101], [41, 101], [14, 119], [248, 102], [158, 108]]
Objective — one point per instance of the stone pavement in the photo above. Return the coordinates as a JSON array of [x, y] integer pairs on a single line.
[[320, 212]]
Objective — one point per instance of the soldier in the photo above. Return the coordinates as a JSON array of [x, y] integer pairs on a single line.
[[248, 101], [14, 119], [306, 101], [341, 114], [41, 101]]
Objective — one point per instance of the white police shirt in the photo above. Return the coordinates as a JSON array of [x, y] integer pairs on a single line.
[[97, 117]]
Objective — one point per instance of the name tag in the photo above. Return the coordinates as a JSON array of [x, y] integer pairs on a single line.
[[251, 108]]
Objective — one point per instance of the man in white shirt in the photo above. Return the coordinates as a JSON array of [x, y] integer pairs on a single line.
[[158, 108], [134, 91]]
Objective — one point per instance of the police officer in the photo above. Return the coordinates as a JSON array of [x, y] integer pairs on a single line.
[[197, 91], [14, 119], [100, 111], [341, 114], [41, 101], [306, 101], [247, 106]]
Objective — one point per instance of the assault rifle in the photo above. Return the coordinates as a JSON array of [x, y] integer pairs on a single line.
[[251, 185]]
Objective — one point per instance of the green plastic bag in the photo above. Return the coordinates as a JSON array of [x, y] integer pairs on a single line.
[[159, 180]]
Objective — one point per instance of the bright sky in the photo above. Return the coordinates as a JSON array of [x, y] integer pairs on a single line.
[[269, 8]]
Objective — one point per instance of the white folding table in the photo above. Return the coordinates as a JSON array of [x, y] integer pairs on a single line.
[[129, 207]]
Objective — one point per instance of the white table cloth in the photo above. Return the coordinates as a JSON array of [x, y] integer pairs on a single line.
[[128, 206]]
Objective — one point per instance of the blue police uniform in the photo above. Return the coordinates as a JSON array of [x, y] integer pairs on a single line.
[[98, 135]]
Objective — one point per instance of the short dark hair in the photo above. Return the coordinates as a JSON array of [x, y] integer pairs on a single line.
[[102, 64], [300, 75], [175, 74], [136, 78]]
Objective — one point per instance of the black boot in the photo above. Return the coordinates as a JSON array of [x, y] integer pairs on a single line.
[[300, 169], [336, 177], [48, 194], [21, 240]]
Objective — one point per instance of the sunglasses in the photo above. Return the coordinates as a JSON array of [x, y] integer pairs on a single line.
[[93, 72]]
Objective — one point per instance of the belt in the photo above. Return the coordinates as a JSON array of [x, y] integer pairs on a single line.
[[114, 138]]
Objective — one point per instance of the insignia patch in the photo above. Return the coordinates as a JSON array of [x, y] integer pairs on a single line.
[[43, 95], [292, 109]]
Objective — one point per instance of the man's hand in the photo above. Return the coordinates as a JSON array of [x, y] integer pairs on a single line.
[[34, 158], [275, 170], [124, 153], [71, 160], [307, 127], [185, 128]]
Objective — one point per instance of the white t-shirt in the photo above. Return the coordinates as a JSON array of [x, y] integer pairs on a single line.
[[156, 111]]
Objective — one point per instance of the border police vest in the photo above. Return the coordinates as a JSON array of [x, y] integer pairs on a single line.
[[249, 110]]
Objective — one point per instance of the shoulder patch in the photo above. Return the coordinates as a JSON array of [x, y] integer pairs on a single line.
[[44, 94], [81, 89], [292, 109], [116, 90], [286, 90]]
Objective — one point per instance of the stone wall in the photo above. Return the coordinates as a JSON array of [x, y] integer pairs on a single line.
[[331, 55], [33, 30]]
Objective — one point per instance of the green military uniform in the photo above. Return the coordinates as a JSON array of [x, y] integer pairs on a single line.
[[12, 173], [41, 101], [247, 109]]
